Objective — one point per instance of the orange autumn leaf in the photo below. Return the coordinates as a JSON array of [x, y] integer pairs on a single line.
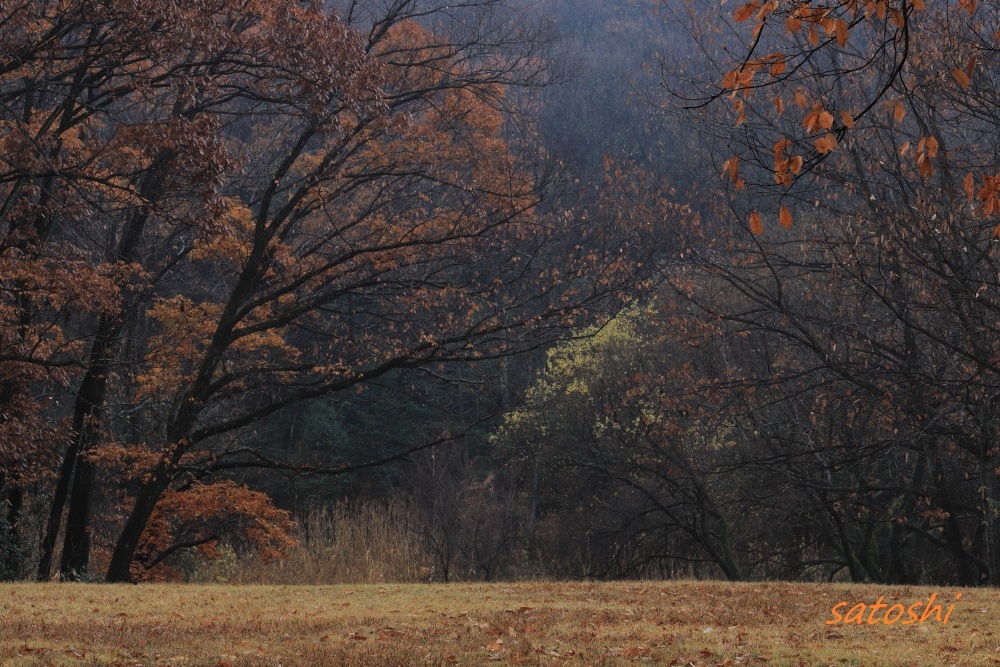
[[756, 224], [842, 32], [989, 193], [731, 168], [826, 143], [745, 12], [780, 146], [932, 146], [785, 217], [812, 34], [924, 165], [969, 185], [818, 119], [898, 112]]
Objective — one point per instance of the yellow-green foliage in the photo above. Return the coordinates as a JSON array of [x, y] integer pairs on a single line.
[[681, 623], [576, 374]]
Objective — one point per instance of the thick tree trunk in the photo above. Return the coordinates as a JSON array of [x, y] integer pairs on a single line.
[[120, 568], [86, 427], [152, 489], [51, 533], [77, 473], [730, 566], [846, 549], [75, 559]]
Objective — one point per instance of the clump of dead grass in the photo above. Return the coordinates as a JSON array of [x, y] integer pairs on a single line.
[[345, 544]]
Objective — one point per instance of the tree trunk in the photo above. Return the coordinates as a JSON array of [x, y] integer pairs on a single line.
[[120, 568], [51, 533], [77, 474], [75, 559], [846, 549], [86, 425], [730, 566]]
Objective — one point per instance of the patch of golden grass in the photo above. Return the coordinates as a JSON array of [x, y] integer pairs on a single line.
[[346, 544], [678, 623]]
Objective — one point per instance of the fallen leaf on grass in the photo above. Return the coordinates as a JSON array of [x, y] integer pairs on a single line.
[[386, 633]]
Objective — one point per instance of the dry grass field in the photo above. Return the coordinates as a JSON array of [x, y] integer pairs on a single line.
[[673, 623]]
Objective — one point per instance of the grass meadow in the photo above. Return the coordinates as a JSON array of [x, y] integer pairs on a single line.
[[663, 623]]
